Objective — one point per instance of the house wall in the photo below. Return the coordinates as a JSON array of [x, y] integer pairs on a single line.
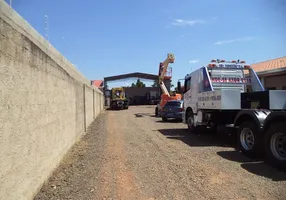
[[277, 82]]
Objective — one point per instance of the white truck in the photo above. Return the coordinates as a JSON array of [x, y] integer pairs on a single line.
[[222, 95]]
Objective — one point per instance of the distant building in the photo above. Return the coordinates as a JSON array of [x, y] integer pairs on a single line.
[[272, 73]]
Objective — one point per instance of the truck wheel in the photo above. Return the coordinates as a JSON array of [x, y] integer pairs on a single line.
[[275, 145], [249, 139], [156, 111], [190, 122], [164, 119]]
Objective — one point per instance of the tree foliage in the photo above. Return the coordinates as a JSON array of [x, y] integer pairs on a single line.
[[138, 84], [156, 84]]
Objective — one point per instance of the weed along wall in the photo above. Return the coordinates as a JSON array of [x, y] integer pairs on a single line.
[[45, 107]]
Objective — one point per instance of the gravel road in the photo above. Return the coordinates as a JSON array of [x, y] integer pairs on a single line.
[[130, 154]]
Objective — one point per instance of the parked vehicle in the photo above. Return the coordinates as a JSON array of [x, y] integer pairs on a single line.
[[216, 96], [173, 109], [118, 99]]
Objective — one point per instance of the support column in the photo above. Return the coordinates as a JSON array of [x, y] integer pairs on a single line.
[[93, 101], [84, 108]]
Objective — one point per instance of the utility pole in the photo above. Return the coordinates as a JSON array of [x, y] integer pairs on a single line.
[[47, 27], [11, 3]]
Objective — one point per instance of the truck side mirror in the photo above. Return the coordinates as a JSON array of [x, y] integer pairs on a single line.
[[179, 86]]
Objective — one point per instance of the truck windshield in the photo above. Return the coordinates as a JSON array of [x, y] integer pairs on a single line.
[[118, 94]]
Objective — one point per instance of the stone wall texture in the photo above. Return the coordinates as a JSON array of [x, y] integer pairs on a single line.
[[46, 105]]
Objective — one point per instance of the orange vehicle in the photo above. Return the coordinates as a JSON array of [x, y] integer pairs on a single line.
[[165, 73]]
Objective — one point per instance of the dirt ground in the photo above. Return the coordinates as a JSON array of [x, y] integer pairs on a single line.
[[130, 154]]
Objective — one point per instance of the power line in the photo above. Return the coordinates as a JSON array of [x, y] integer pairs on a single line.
[[47, 27]]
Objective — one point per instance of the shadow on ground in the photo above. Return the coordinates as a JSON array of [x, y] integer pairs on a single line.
[[206, 138], [256, 167], [144, 115], [170, 121], [109, 109], [143, 106]]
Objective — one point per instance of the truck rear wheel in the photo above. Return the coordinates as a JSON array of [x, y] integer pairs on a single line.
[[249, 139], [156, 111], [275, 145], [191, 123]]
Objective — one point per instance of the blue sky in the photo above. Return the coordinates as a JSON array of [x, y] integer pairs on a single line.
[[111, 37]]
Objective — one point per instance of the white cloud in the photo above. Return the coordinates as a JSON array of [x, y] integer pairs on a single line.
[[233, 40], [193, 61], [182, 22]]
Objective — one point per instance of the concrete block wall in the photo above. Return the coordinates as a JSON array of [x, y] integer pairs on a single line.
[[45, 107], [89, 105]]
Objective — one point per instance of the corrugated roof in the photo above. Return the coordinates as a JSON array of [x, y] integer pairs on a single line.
[[97, 83], [268, 65]]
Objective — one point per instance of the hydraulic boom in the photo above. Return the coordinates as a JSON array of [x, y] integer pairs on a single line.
[[165, 97], [162, 71]]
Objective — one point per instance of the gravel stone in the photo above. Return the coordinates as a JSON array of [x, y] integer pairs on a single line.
[[130, 154]]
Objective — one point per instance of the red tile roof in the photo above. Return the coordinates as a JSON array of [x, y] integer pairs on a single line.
[[97, 83], [276, 63]]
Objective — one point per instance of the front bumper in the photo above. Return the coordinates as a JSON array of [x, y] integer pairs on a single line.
[[177, 115], [119, 104]]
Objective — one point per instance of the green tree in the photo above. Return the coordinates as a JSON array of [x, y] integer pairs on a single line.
[[155, 83], [138, 84]]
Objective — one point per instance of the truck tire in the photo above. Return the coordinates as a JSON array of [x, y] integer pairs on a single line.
[[250, 140], [164, 119], [156, 111], [190, 122], [275, 145]]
